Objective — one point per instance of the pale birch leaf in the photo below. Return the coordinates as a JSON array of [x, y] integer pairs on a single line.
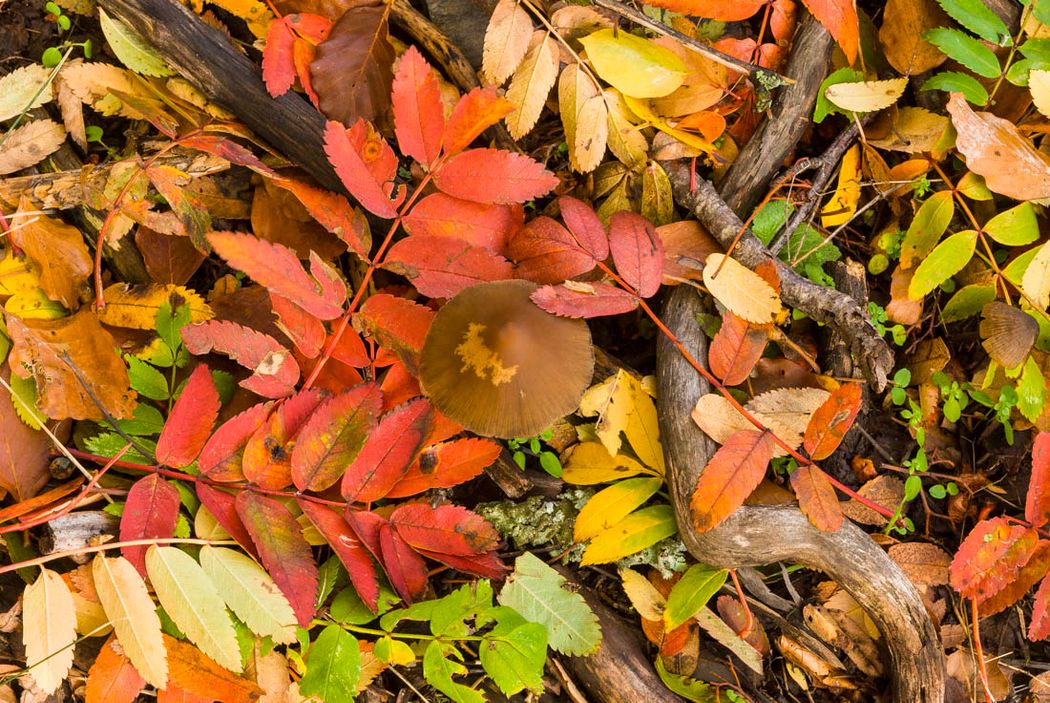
[[531, 84], [23, 89], [30, 144], [740, 289], [250, 593], [48, 630], [130, 609]]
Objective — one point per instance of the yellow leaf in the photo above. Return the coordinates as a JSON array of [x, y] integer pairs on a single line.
[[34, 305], [531, 84], [591, 463], [48, 630], [843, 203], [867, 96], [642, 528], [607, 507], [19, 87], [506, 41], [644, 111], [585, 117], [703, 87], [18, 274], [192, 602], [256, 14], [625, 139], [740, 289], [250, 593], [633, 65], [643, 595], [1039, 84], [136, 306], [622, 405], [205, 526], [1036, 280], [126, 601]]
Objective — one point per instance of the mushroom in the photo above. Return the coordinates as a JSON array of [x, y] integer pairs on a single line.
[[1007, 334], [502, 367]]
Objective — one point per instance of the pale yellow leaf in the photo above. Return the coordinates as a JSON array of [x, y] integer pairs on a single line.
[[1039, 84], [788, 410], [531, 84], [23, 89], [643, 110], [740, 289], [1036, 280], [642, 594], [623, 406], [48, 630], [843, 203], [634, 65], [867, 96], [30, 144], [250, 593], [130, 609], [590, 463], [192, 602], [720, 420], [130, 49], [625, 139], [506, 41], [136, 306], [584, 116], [205, 526]]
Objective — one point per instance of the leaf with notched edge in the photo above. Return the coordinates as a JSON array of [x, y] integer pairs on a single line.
[[190, 420], [1040, 627], [419, 116], [480, 224], [473, 114], [440, 267], [637, 251], [1037, 505], [57, 248], [573, 299], [128, 605], [736, 348], [306, 331], [405, 568], [277, 66], [275, 371], [546, 252], [727, 480], [333, 437], [365, 164], [991, 556], [583, 223], [223, 453], [267, 454], [151, 512], [494, 176], [506, 40], [839, 17], [282, 549], [446, 529], [721, 10], [347, 547], [532, 83], [387, 453], [446, 465], [832, 420], [396, 324], [223, 507], [486, 565], [816, 497]]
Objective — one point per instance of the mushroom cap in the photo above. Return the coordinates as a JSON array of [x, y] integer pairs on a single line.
[[500, 366], [1007, 333]]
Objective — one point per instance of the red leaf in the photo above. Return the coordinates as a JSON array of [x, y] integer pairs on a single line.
[[637, 252], [990, 557], [585, 226], [351, 350], [278, 269], [733, 472], [446, 529], [151, 511], [267, 455], [190, 421], [277, 66], [832, 420], [1029, 575], [419, 116], [366, 526], [484, 565], [584, 299], [816, 497], [112, 677], [839, 17], [1040, 626], [488, 226], [201, 677], [398, 325], [1037, 506], [721, 10], [440, 267], [347, 547], [404, 567], [388, 452], [444, 428], [546, 252], [333, 212], [736, 348], [398, 386], [24, 452], [473, 114], [305, 330], [365, 164], [494, 176], [446, 465], [222, 456], [282, 549], [275, 372], [223, 507], [333, 437]]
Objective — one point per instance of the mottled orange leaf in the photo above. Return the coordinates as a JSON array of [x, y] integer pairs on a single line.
[[396, 324], [223, 453], [190, 670], [832, 420], [306, 331], [112, 677], [58, 249], [473, 114], [991, 556], [267, 454], [446, 529], [333, 437], [736, 348], [727, 480], [816, 497], [1029, 575], [365, 164], [1037, 505]]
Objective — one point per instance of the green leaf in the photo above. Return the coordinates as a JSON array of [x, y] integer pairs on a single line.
[[23, 398], [250, 593], [1014, 227], [193, 603], [691, 593], [348, 607], [824, 107], [130, 49], [1031, 391], [535, 591], [634, 533], [979, 19], [146, 379], [513, 653], [438, 670], [689, 688], [634, 65], [954, 82], [109, 443], [968, 301], [145, 420], [333, 666], [946, 260], [966, 50], [927, 227], [448, 619], [1015, 270], [170, 323]]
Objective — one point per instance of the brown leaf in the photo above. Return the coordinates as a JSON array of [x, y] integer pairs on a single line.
[[903, 23], [924, 564], [23, 451], [39, 346], [353, 69], [58, 249], [168, 259], [30, 144], [279, 217]]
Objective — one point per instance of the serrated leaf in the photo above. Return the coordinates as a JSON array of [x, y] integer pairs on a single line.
[[23, 399], [1036, 280], [1039, 86], [438, 671], [130, 609], [584, 116], [441, 267], [868, 96], [445, 465], [250, 593], [1037, 503], [736, 348], [506, 40], [740, 289], [991, 556], [642, 528], [513, 654], [21, 90], [633, 65], [625, 139], [536, 591], [151, 512], [1031, 391], [727, 480], [190, 421], [637, 251], [966, 50], [839, 17], [955, 82], [947, 259], [333, 436], [978, 18], [48, 630], [473, 114], [112, 677], [419, 117], [531, 84], [573, 299], [189, 597], [816, 497], [828, 425], [494, 176], [623, 406], [691, 593], [333, 666], [29, 144], [274, 369], [387, 452], [347, 547], [365, 164], [843, 203]]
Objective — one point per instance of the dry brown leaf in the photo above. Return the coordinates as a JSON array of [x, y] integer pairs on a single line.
[[995, 149], [585, 117], [38, 346], [789, 409], [925, 564], [884, 490], [1007, 333], [30, 144], [72, 112], [20, 90], [93, 83], [961, 665], [903, 23], [686, 246], [704, 84], [909, 129], [531, 84], [58, 249], [901, 308], [929, 357], [506, 41]]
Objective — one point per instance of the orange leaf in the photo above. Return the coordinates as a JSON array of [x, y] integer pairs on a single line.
[[736, 348], [637, 251], [446, 465], [277, 66], [1029, 575], [584, 299], [267, 454], [387, 453], [494, 176], [991, 556], [721, 10], [198, 675], [446, 529], [333, 436], [832, 420], [24, 452], [474, 113], [223, 454], [547, 252], [488, 226], [816, 497], [112, 678], [839, 17], [419, 116], [365, 164], [397, 324], [1037, 506], [57, 248], [190, 421], [734, 471], [440, 267], [1040, 627]]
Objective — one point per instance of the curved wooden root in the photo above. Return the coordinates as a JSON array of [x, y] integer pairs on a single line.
[[761, 535]]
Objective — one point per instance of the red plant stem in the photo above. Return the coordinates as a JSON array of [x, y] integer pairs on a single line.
[[55, 556], [749, 621], [982, 668]]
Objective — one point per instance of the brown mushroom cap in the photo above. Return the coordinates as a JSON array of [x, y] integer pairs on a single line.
[[1007, 334], [502, 367]]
